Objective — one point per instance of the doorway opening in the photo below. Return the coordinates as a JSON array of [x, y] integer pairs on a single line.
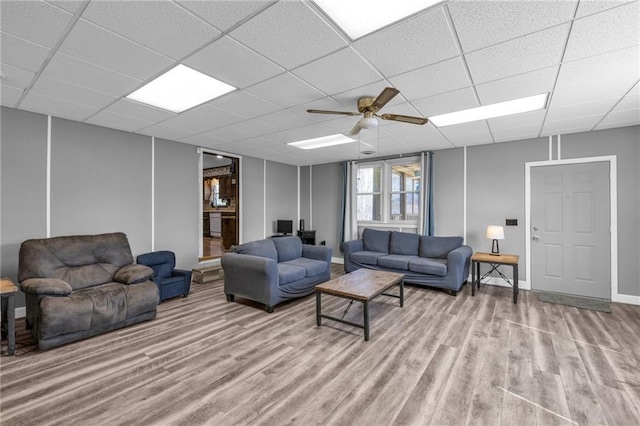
[[220, 204]]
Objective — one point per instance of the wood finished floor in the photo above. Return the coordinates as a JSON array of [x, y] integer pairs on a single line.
[[440, 360]]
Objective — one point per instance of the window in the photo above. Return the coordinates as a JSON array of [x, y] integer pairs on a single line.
[[389, 191]]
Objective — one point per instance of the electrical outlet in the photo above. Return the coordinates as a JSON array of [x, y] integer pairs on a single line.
[[511, 222]]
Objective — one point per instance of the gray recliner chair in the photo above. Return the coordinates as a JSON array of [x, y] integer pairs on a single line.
[[83, 285]]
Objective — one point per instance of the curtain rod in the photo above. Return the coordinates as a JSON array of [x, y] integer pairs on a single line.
[[388, 157]]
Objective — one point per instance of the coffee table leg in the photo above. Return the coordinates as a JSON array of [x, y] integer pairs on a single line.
[[318, 307], [11, 325], [401, 293], [366, 320], [515, 283]]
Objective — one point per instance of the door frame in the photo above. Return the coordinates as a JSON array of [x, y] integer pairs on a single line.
[[201, 151], [613, 214]]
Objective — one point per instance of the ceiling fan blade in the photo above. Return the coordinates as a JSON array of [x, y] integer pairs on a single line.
[[404, 118], [322, 111], [385, 96], [356, 129]]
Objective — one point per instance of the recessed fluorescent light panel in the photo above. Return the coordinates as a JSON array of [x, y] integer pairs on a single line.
[[179, 89], [361, 17], [517, 106], [322, 142]]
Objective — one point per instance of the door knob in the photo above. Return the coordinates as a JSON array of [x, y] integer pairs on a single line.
[[535, 228], [536, 238]]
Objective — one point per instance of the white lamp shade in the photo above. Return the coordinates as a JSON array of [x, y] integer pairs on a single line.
[[495, 232], [369, 123]]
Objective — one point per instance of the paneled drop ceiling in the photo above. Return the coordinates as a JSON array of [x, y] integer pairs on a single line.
[[79, 59]]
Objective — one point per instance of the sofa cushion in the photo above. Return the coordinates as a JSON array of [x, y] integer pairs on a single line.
[[288, 248], [262, 248], [375, 240], [429, 266], [404, 243], [290, 273], [311, 266], [438, 247], [366, 257], [395, 261]]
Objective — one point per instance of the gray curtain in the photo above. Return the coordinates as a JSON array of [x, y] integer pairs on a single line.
[[426, 222], [349, 230]]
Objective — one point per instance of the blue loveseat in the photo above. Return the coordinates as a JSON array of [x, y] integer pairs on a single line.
[[273, 270], [441, 262]]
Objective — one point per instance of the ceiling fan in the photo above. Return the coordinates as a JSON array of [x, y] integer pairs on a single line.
[[368, 107]]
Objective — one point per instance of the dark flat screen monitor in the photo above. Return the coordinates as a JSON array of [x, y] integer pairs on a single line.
[[284, 227]]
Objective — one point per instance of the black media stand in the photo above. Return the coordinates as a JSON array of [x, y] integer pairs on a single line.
[[307, 237]]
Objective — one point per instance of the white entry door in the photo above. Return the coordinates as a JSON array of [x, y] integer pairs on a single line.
[[570, 229]]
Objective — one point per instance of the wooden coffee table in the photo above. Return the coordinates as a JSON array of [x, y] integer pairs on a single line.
[[362, 285]]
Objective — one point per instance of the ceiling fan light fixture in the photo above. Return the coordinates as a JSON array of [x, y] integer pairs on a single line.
[[369, 123]]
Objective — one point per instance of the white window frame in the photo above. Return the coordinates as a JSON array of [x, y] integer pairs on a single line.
[[386, 221]]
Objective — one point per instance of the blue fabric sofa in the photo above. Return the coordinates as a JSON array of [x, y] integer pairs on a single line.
[[273, 270], [441, 262]]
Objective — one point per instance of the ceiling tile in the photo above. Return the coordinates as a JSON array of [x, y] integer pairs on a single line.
[[22, 53], [231, 62], [573, 125], [158, 25], [629, 117], [484, 23], [284, 119], [525, 119], [349, 65], [589, 7], [226, 134], [81, 73], [202, 118], [592, 35], [9, 96], [251, 128], [63, 109], [69, 5], [96, 45], [71, 93], [609, 74], [202, 139], [15, 77], [518, 133], [428, 81], [139, 111], [312, 131], [286, 90], [162, 131], [244, 103], [524, 54], [519, 86], [599, 107], [34, 21], [280, 137], [446, 102], [417, 42], [224, 14], [475, 133], [631, 100], [118, 121], [290, 34]]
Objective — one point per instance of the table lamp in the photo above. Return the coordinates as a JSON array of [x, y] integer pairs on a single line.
[[495, 233]]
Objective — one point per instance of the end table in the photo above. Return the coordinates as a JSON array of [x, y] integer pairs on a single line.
[[494, 260], [7, 292]]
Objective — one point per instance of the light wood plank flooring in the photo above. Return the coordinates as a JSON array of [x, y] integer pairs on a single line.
[[440, 360]]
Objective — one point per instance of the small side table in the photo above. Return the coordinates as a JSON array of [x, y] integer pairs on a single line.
[[494, 261], [7, 292]]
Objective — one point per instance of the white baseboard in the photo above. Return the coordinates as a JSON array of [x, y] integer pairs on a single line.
[[626, 298], [338, 260], [499, 282]]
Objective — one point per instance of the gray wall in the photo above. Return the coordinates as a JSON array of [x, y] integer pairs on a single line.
[[305, 196], [177, 201], [23, 161], [448, 192], [281, 193], [100, 182], [327, 204], [252, 207]]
